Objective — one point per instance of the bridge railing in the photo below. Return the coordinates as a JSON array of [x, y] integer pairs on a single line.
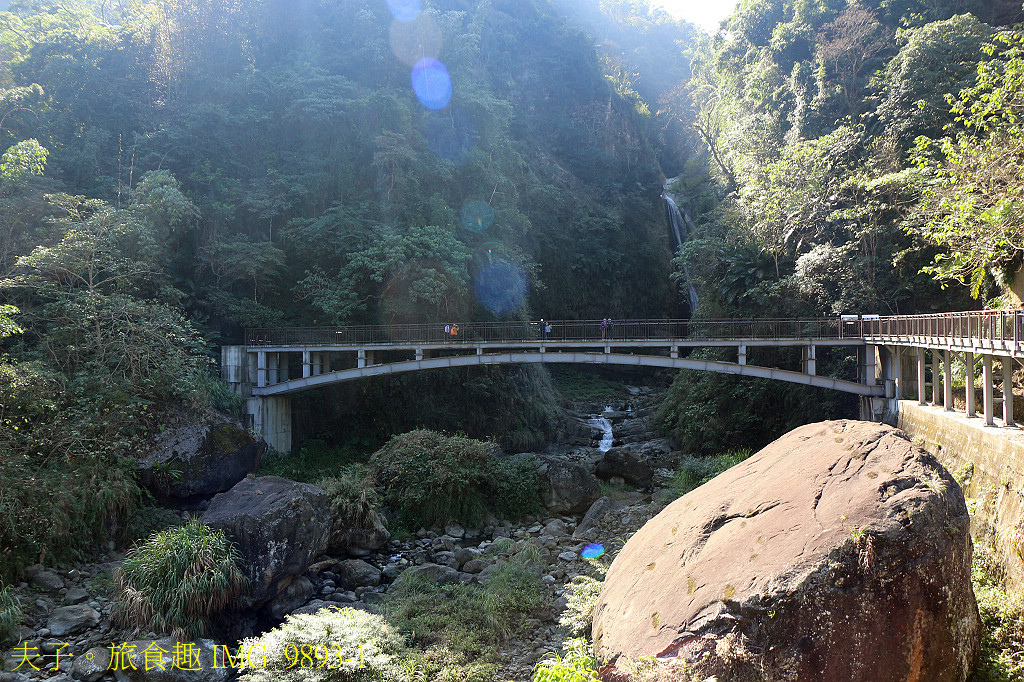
[[561, 330], [1002, 326]]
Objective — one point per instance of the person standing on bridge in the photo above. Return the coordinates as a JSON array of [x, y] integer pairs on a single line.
[[544, 329], [605, 323]]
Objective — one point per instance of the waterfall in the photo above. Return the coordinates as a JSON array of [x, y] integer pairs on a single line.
[[606, 429], [682, 226]]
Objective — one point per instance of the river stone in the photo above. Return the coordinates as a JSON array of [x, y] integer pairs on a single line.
[[91, 665], [291, 597], [211, 456], [623, 463], [442, 575], [161, 662], [592, 519], [76, 595], [569, 488], [47, 580], [840, 552], [69, 620], [279, 527], [358, 573]]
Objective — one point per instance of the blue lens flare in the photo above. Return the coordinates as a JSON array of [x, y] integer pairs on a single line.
[[411, 41], [592, 551], [404, 10], [477, 216], [431, 83], [501, 287], [449, 134]]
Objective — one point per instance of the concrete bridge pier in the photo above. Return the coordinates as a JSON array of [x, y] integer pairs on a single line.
[[269, 416]]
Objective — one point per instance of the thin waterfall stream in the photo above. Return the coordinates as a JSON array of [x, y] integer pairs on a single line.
[[681, 224]]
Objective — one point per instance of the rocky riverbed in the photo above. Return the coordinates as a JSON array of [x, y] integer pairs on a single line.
[[68, 629]]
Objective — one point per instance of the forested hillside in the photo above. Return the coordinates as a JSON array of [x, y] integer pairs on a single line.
[[863, 157], [178, 170]]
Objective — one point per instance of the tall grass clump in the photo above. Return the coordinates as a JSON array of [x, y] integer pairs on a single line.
[[577, 665], [10, 616], [313, 460], [178, 580], [695, 470], [353, 500], [430, 479], [327, 646]]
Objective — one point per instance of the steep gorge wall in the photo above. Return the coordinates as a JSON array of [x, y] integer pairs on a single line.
[[989, 464]]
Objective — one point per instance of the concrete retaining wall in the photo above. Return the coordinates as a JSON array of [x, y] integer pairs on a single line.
[[989, 463]]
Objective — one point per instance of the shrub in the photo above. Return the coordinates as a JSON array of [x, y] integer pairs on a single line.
[[177, 580], [340, 640], [694, 471], [1002, 622], [147, 520], [581, 595], [10, 616], [352, 499], [460, 625], [578, 665], [431, 479], [312, 461]]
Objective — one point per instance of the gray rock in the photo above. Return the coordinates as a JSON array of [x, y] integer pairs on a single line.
[[279, 527], [294, 595], [391, 571], [455, 531], [358, 573], [91, 665], [446, 559], [313, 607], [68, 620], [358, 541], [555, 528], [442, 575], [474, 566], [76, 595], [568, 556], [212, 456], [623, 463], [592, 519], [464, 554], [569, 488], [48, 580]]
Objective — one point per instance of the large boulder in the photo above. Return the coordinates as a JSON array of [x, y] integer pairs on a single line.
[[622, 462], [840, 552], [568, 487], [279, 527], [200, 458]]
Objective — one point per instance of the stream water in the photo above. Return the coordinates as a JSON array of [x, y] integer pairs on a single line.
[[606, 430]]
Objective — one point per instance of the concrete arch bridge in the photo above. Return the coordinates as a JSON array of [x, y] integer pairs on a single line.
[[273, 364]]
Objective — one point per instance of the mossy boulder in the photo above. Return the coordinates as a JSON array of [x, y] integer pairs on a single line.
[[204, 456]]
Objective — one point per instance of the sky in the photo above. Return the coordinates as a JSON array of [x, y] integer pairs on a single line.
[[707, 14]]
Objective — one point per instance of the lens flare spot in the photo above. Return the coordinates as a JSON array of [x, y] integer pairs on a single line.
[[501, 287], [404, 10], [477, 216], [414, 40], [449, 134], [592, 551], [431, 83]]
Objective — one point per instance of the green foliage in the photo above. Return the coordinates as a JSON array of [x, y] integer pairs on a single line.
[[22, 160], [432, 479], [975, 205], [10, 616], [581, 594], [578, 664], [178, 580], [147, 520], [1002, 620], [577, 383], [332, 645], [695, 470], [459, 626], [8, 326], [312, 461]]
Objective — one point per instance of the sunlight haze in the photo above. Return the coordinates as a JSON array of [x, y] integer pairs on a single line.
[[707, 15]]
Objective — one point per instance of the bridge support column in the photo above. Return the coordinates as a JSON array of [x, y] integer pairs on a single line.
[[969, 383], [947, 381], [307, 364], [867, 376], [673, 352], [1007, 364], [742, 353], [360, 359], [272, 419], [936, 380], [896, 372], [479, 350], [921, 398], [986, 388], [318, 364], [273, 368], [419, 354], [261, 368], [809, 360]]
